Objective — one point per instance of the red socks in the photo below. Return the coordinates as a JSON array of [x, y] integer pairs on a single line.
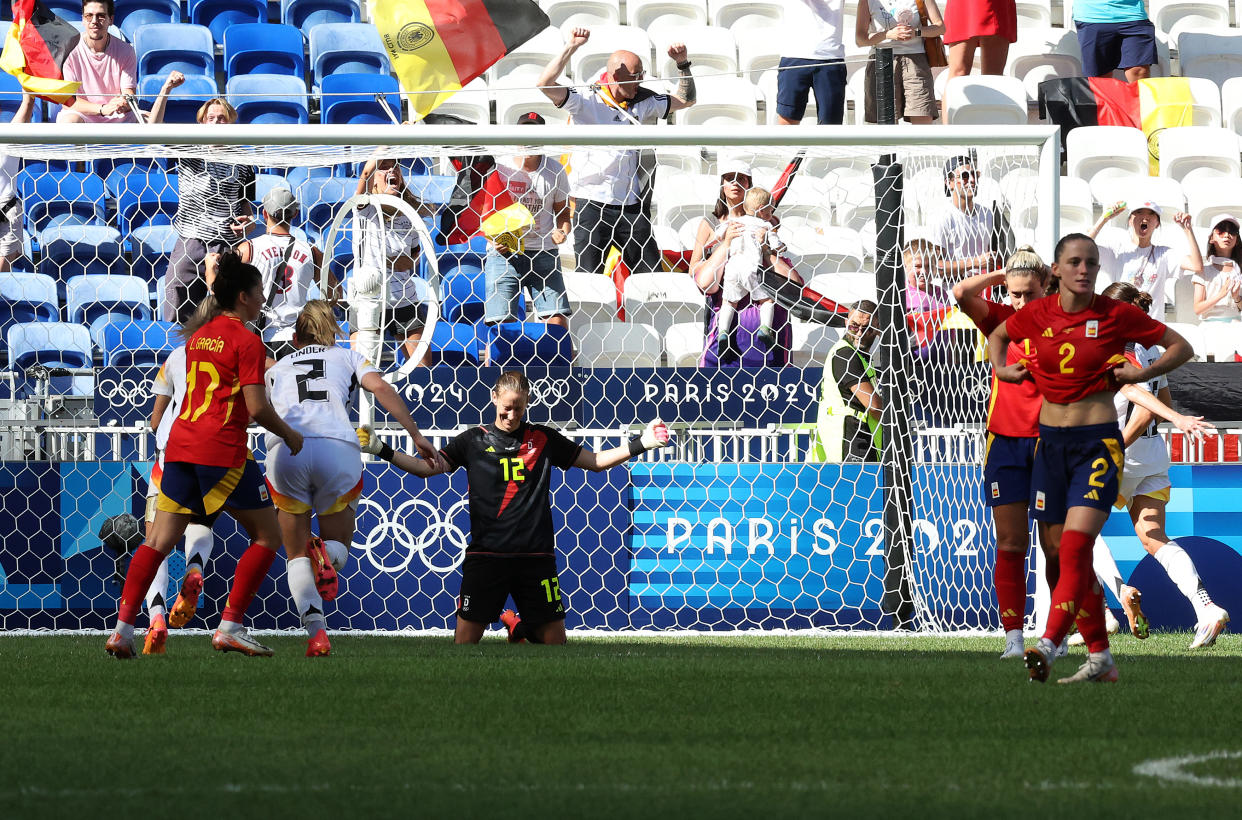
[[1091, 621], [142, 568], [251, 570], [1077, 579], [1010, 582]]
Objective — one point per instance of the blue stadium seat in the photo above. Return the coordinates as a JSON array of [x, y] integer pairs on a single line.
[[529, 343], [70, 250], [269, 98], [130, 344], [454, 344], [184, 101], [463, 285], [11, 99], [166, 47], [142, 198], [218, 15], [151, 247], [27, 297], [346, 48], [93, 298], [321, 198], [433, 189], [66, 9], [306, 14], [263, 48], [55, 197], [349, 99], [132, 15], [51, 344]]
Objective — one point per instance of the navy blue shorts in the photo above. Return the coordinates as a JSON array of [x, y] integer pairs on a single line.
[[796, 79], [202, 491], [1075, 467], [1007, 470], [1107, 47]]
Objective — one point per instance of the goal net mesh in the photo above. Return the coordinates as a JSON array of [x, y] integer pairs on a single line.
[[747, 522]]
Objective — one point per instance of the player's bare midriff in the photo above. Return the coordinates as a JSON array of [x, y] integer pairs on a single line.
[[1096, 408]]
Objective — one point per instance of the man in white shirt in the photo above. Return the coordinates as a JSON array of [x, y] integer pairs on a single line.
[[1138, 261], [612, 203], [106, 67], [814, 59], [964, 229]]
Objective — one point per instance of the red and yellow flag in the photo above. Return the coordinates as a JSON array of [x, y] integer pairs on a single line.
[[438, 46], [37, 46]]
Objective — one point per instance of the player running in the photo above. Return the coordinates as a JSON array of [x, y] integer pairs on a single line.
[[312, 389], [207, 465], [169, 390], [1079, 340], [511, 552]]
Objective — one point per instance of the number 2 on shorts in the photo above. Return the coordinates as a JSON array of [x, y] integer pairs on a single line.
[[1098, 468]]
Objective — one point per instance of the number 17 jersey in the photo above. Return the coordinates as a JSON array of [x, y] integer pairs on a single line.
[[314, 388]]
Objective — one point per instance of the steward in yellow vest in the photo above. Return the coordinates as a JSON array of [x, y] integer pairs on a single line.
[[847, 427]]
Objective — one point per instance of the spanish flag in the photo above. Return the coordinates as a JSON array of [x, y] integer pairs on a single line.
[[37, 46], [438, 46]]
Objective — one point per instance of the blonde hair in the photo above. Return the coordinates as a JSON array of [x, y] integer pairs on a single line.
[[1026, 262], [316, 324], [207, 310], [756, 198], [513, 381], [228, 109]]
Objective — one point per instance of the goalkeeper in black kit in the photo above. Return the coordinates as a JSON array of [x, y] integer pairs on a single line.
[[511, 551]]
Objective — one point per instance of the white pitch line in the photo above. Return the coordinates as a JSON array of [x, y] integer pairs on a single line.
[[1172, 768]]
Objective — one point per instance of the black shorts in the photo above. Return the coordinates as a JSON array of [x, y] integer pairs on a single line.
[[487, 580]]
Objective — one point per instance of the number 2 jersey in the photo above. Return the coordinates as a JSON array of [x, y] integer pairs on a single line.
[[314, 388], [221, 358], [509, 477], [1076, 352]]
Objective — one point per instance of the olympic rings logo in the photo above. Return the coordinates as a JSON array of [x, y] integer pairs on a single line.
[[439, 528], [547, 392], [124, 390]]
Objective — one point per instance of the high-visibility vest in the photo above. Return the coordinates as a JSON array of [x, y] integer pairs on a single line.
[[828, 443]]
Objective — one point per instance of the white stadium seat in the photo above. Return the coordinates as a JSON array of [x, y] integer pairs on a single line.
[[723, 101], [657, 15], [1031, 64], [984, 100], [1221, 340], [471, 103], [679, 160], [1205, 96], [592, 298], [745, 15], [589, 13], [1034, 13], [845, 287], [1231, 104], [681, 198], [683, 344], [712, 49], [618, 344], [1215, 55], [1192, 333], [1108, 150], [662, 299], [824, 251], [535, 52], [1172, 17], [589, 61], [759, 51], [1077, 207], [510, 102], [1165, 192], [811, 343], [1208, 199], [1195, 152]]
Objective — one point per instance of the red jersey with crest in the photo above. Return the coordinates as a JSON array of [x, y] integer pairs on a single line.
[[1075, 352], [220, 358], [1013, 409]]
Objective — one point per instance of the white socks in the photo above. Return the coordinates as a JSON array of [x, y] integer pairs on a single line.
[[305, 596], [1105, 567], [1181, 571], [724, 319], [158, 589], [198, 544], [767, 312], [338, 554]]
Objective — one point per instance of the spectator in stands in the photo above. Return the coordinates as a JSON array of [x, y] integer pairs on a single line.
[[921, 293], [847, 427], [106, 67], [964, 230], [1218, 287], [156, 114], [986, 25], [897, 27], [814, 60], [707, 266], [1138, 261], [612, 196], [386, 294], [10, 205], [1115, 34], [213, 215], [541, 184]]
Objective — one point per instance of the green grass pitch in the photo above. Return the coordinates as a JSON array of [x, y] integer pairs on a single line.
[[755, 727]]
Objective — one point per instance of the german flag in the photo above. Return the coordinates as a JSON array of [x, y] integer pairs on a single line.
[[36, 48], [438, 46]]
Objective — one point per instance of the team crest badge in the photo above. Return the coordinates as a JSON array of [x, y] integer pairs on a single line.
[[995, 490], [1040, 503], [1093, 328]]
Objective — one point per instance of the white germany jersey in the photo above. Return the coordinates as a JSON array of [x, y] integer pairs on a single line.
[[286, 284], [314, 388], [170, 381], [1144, 356]]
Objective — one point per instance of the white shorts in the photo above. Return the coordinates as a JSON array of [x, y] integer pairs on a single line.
[[153, 486], [1146, 471], [739, 286], [325, 476]]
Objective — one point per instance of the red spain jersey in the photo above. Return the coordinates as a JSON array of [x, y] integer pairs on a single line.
[[1013, 409], [211, 428], [1075, 352]]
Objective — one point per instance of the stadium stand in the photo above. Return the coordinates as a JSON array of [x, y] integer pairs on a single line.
[[219, 15], [522, 344], [68, 250], [348, 98], [617, 344], [305, 15], [137, 343], [185, 100], [269, 98], [27, 297], [132, 15], [1193, 153], [346, 48], [52, 345], [166, 47]]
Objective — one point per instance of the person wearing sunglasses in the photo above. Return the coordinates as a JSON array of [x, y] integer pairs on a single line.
[[964, 230]]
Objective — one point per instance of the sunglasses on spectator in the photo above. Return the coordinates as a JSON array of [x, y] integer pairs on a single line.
[[739, 179], [855, 327], [966, 176]]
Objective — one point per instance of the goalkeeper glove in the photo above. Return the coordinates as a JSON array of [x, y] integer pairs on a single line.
[[370, 443], [656, 435]]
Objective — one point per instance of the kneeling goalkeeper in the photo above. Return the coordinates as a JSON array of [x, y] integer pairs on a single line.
[[509, 467]]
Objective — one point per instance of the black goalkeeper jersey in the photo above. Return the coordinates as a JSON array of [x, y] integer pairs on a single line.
[[509, 475]]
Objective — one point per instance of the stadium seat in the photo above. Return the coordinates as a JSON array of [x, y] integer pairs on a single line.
[[662, 300], [472, 103], [321, 198], [166, 47], [1077, 206], [1172, 17], [269, 98], [825, 250], [683, 344], [304, 15], [845, 287], [1204, 107], [528, 343], [132, 15], [184, 101], [219, 15], [759, 51], [1034, 13], [263, 48], [349, 99], [723, 101], [675, 159], [811, 343], [618, 344], [52, 344], [590, 60], [1215, 55], [454, 344], [346, 48], [713, 50], [27, 297], [462, 285], [70, 250], [151, 248], [590, 13], [981, 100], [65, 9], [11, 99], [1165, 192], [142, 199], [1105, 150], [1208, 199], [743, 16], [1231, 104], [1030, 62], [510, 102], [592, 298], [656, 16], [1221, 340], [1193, 333], [98, 300], [56, 197], [137, 343], [1183, 298], [534, 54], [1196, 152]]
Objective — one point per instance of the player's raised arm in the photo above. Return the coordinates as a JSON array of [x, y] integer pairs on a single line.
[[655, 436], [421, 467], [391, 401], [968, 293]]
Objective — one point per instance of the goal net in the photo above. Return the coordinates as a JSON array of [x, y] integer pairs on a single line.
[[751, 520]]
